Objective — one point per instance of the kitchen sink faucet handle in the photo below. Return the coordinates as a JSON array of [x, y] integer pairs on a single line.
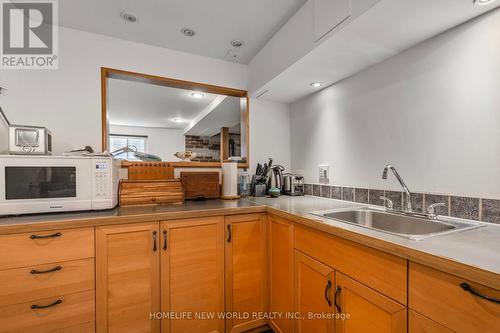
[[431, 210], [387, 202]]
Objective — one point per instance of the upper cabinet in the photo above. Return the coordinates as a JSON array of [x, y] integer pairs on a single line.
[[328, 14]]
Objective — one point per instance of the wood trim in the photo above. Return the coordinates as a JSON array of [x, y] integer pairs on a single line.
[[224, 143], [104, 108], [169, 82], [107, 72]]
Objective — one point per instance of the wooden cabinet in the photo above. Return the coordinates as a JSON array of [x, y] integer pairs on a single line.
[[192, 274], [328, 14], [281, 262], [246, 271], [314, 285], [442, 298], [421, 324], [36, 248], [380, 271], [368, 310], [128, 278]]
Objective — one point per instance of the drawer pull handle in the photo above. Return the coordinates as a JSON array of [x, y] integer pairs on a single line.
[[55, 269], [337, 294], [37, 307], [154, 241], [229, 233], [467, 287], [57, 234], [327, 291], [165, 240]]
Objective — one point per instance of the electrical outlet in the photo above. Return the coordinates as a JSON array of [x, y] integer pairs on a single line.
[[324, 174]]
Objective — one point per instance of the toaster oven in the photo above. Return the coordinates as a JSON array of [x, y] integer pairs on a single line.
[[29, 140]]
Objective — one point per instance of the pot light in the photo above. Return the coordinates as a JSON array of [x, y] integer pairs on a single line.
[[129, 17], [197, 94], [315, 84], [236, 43], [482, 2], [188, 32]]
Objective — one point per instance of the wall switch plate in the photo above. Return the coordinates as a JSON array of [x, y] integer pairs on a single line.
[[324, 174]]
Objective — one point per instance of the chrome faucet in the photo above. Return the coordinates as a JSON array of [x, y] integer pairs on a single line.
[[403, 185]]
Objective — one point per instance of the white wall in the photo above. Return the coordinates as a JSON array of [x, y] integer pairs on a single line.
[[68, 100], [269, 133], [164, 142], [433, 111]]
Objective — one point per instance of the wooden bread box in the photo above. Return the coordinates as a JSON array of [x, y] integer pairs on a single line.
[[201, 185], [142, 192]]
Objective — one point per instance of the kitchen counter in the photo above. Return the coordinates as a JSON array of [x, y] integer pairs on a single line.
[[120, 215], [473, 254]]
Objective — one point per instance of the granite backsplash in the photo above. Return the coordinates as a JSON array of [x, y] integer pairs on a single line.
[[487, 210]]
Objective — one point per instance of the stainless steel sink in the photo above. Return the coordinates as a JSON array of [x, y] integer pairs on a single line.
[[409, 226]]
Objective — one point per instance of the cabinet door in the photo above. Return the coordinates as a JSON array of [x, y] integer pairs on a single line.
[[127, 278], [192, 274], [281, 273], [314, 283], [328, 14], [368, 310], [421, 324], [246, 271]]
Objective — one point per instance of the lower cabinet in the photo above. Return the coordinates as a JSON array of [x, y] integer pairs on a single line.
[[182, 275], [246, 271], [281, 265], [127, 278], [329, 301], [367, 310], [314, 284], [192, 275], [421, 324]]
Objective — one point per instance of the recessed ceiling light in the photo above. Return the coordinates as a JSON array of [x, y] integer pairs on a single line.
[[482, 2], [188, 32], [315, 84], [129, 17], [197, 94], [236, 43]]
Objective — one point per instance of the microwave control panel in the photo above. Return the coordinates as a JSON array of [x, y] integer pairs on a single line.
[[102, 178]]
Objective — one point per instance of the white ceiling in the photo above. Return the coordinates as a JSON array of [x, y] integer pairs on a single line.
[[385, 30], [147, 105], [159, 23], [225, 114]]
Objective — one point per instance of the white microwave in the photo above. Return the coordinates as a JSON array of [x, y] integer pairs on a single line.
[[42, 184]]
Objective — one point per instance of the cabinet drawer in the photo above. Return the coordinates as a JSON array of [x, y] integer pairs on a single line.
[[75, 309], [28, 249], [380, 271], [439, 296], [25, 284]]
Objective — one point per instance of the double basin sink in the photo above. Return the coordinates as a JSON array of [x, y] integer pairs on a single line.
[[404, 224]]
